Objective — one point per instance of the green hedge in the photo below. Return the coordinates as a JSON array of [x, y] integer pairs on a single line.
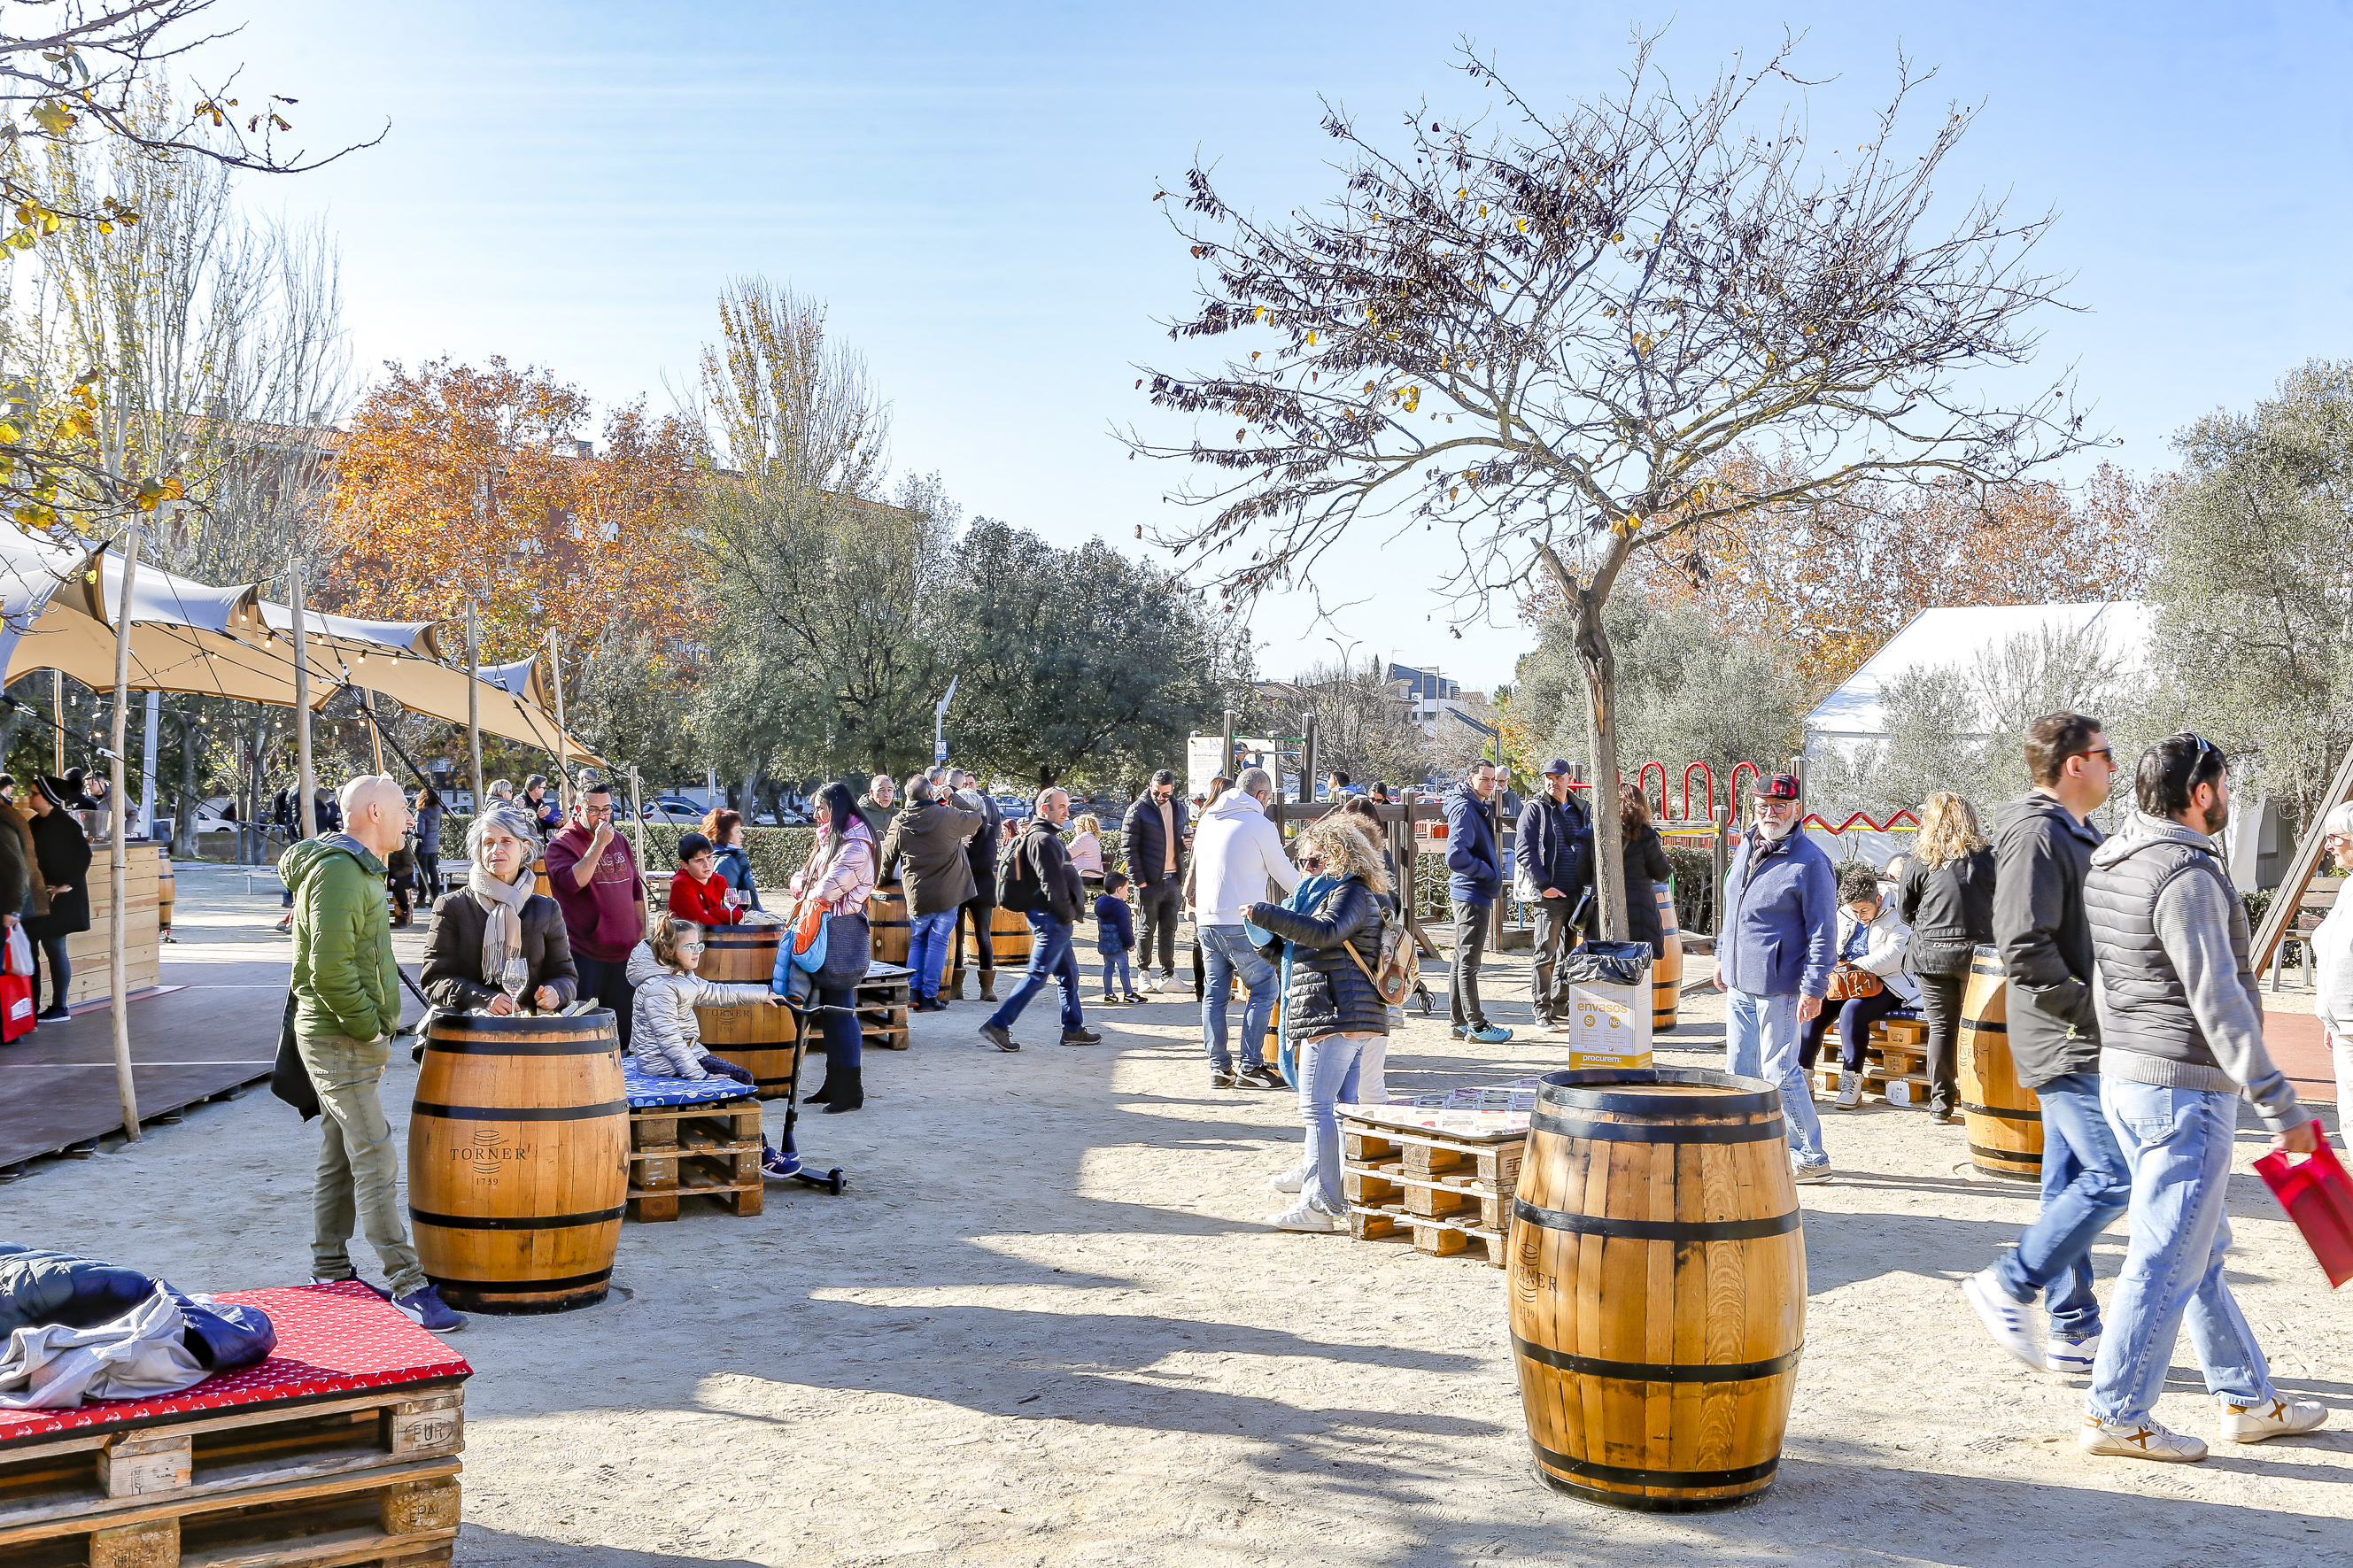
[[776, 852]]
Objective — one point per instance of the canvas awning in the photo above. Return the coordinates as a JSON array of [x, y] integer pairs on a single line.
[[193, 637]]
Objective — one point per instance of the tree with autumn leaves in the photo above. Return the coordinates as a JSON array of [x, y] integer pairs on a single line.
[[457, 486]]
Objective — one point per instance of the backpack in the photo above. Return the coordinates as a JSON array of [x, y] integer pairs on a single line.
[[1018, 887]]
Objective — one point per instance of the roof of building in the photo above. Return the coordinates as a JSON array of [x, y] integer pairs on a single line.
[[1953, 637]]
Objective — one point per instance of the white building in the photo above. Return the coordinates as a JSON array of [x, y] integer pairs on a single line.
[[2257, 841]]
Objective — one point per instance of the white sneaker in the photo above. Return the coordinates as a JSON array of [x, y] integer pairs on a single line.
[[1303, 1215], [1290, 1180], [1849, 1093], [2011, 1323], [2140, 1440], [2272, 1417], [1810, 1175], [1151, 986], [2071, 1357]]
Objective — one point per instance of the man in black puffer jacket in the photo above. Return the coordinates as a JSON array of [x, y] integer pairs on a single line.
[[1332, 1009]]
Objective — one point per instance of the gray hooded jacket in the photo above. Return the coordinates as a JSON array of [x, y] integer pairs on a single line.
[[2178, 1003]]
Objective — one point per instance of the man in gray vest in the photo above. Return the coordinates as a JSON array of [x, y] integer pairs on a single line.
[[2044, 846], [2181, 1039]]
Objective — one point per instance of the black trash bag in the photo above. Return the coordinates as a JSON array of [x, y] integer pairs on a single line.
[[1607, 964]]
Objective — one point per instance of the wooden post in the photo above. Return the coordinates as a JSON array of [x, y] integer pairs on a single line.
[[1307, 760], [376, 731], [563, 740], [2280, 915], [309, 817], [1226, 758], [474, 701], [119, 861], [637, 831], [1720, 858]]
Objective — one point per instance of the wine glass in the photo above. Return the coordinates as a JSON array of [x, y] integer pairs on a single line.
[[513, 978], [734, 899]]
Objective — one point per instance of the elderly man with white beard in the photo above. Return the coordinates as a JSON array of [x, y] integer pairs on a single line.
[[1774, 958]]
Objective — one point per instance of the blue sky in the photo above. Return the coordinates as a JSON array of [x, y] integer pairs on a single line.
[[969, 189]]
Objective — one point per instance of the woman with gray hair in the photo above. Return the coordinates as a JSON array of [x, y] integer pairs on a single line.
[[2332, 957], [495, 917]]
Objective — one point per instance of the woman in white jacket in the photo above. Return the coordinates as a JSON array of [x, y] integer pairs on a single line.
[[666, 1034], [1871, 940], [2332, 954]]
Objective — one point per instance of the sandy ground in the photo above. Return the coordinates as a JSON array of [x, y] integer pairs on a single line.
[[1046, 1326]]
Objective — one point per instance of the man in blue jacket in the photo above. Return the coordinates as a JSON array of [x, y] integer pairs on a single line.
[[1474, 880], [1774, 955], [1554, 863]]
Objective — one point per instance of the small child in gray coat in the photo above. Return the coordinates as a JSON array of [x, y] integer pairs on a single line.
[[666, 1036]]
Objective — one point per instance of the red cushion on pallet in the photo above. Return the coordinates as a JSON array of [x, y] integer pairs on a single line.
[[331, 1339]]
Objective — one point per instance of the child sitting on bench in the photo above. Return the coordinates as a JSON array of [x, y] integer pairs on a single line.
[[666, 1035]]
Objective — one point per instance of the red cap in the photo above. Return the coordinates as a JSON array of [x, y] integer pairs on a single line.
[[1779, 786]]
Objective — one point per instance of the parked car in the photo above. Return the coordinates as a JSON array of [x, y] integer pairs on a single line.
[[672, 808]]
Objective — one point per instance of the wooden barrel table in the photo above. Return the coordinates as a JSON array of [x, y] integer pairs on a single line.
[[165, 892], [2002, 1119], [1009, 937], [765, 1041], [887, 919], [1667, 973], [1657, 1285], [519, 1160]]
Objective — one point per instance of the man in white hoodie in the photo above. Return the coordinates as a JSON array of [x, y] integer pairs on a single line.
[[1236, 851]]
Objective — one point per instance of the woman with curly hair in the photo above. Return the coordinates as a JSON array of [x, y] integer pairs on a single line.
[[1331, 1010], [1947, 898]]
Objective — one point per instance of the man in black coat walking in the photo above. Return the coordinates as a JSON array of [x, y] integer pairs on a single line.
[[1152, 837], [1554, 873]]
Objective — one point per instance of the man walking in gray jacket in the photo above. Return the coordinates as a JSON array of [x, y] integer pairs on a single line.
[[2043, 849], [2181, 1031]]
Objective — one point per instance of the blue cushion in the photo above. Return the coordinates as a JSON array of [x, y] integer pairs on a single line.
[[646, 1091], [1910, 1012]]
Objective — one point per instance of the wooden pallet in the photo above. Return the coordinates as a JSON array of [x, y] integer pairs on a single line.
[[1448, 1192], [1439, 1236], [1894, 1064], [882, 1013], [368, 1477], [706, 1150]]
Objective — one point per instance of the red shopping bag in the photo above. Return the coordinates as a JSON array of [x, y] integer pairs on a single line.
[[16, 1006], [2318, 1196]]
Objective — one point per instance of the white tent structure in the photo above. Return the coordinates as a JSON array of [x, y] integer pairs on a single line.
[[1954, 638]]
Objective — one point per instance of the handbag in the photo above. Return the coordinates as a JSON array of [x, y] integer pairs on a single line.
[[1847, 985], [1392, 983], [20, 953]]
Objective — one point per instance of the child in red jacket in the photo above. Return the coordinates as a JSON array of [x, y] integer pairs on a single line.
[[698, 892]]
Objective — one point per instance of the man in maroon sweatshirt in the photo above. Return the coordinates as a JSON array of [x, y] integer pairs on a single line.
[[594, 880]]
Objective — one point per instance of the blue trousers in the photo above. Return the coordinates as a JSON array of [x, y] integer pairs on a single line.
[[1226, 951], [2177, 1142], [2085, 1184], [1760, 1040], [927, 952], [1050, 960], [1114, 962]]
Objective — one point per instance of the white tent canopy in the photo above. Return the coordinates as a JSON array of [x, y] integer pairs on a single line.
[[62, 605]]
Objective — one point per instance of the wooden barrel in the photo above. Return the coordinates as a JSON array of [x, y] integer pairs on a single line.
[[519, 1160], [2003, 1121], [1657, 1285], [765, 1041], [886, 918], [165, 891], [1667, 973]]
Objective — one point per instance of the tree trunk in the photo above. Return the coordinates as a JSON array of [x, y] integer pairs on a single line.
[[751, 795], [184, 819], [1600, 663]]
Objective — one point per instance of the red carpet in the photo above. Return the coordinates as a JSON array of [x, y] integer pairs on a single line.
[[2299, 1047]]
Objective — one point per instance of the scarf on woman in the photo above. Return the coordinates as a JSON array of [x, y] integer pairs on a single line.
[[503, 902]]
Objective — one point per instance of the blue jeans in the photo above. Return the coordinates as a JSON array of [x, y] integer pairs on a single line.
[[1114, 960], [1051, 959], [1761, 1035], [1329, 1073], [2177, 1142], [1226, 951], [927, 952], [2085, 1184]]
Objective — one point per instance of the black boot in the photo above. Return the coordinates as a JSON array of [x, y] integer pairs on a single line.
[[823, 1089], [845, 1088]]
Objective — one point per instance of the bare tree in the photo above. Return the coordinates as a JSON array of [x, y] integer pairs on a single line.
[[1363, 726], [1552, 337], [81, 81]]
